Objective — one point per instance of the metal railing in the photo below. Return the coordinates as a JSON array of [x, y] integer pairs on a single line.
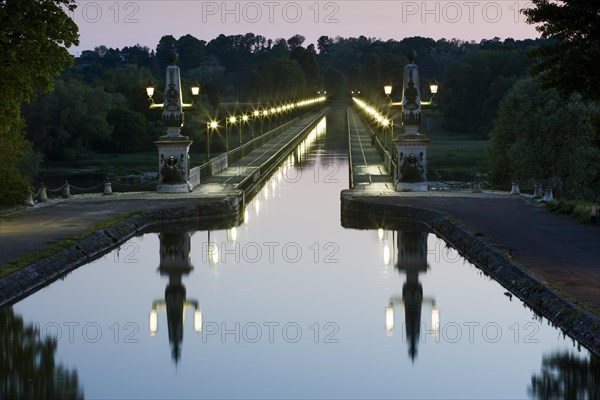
[[208, 171]]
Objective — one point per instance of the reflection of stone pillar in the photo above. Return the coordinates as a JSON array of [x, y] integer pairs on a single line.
[[412, 295], [175, 299], [412, 259], [412, 146], [173, 149], [175, 253], [175, 262]]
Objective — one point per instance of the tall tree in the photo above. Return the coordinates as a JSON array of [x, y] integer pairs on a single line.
[[539, 135], [310, 66], [191, 52], [34, 37], [71, 120], [164, 47], [571, 63]]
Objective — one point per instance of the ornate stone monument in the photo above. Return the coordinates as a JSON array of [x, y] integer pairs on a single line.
[[173, 148], [411, 145]]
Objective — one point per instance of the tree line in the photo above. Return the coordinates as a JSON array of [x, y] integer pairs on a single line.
[[99, 104]]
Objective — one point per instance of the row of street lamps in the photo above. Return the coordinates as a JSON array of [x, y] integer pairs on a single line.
[[384, 121], [260, 114]]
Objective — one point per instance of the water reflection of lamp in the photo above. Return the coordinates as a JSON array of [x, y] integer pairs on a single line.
[[232, 234], [175, 262], [382, 235], [212, 251], [412, 259]]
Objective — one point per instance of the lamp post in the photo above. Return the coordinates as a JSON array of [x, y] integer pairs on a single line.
[[210, 127], [244, 120], [228, 121], [256, 115], [385, 122], [173, 148], [433, 89], [387, 89], [266, 114]]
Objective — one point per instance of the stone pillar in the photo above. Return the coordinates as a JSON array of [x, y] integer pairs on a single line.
[[516, 190], [476, 184], [107, 188], [66, 190], [548, 196], [173, 165], [29, 198], [173, 148], [538, 193], [411, 145], [43, 196]]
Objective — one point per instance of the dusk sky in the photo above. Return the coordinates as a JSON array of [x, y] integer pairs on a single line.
[[125, 23]]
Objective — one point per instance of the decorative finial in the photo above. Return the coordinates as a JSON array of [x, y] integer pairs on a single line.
[[411, 55], [173, 57]]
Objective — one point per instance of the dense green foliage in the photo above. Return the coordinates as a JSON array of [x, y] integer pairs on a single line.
[[554, 135], [34, 35], [474, 86], [570, 63], [539, 135]]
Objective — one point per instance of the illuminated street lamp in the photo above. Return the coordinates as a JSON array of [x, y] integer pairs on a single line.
[[195, 89], [228, 121], [150, 90], [433, 89], [385, 122], [210, 127], [387, 89], [266, 114], [433, 86], [257, 114], [244, 120]]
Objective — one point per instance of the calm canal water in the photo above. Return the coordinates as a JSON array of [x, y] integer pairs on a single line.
[[288, 304]]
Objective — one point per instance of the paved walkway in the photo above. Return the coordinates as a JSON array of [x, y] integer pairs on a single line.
[[367, 165], [59, 219], [554, 248], [256, 159]]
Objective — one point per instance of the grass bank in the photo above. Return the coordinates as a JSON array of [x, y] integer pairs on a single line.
[[116, 164], [47, 251], [576, 209]]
